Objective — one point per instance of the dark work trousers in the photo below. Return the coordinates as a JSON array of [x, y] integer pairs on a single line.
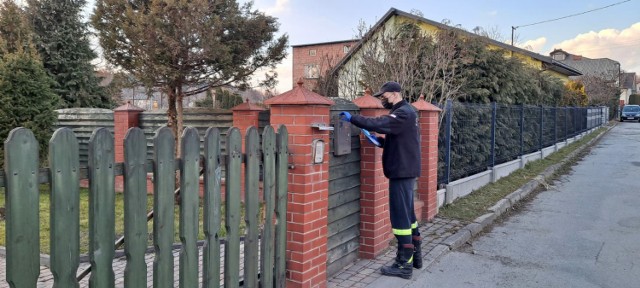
[[403, 217]]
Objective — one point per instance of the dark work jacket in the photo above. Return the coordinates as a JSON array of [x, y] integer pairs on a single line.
[[401, 146]]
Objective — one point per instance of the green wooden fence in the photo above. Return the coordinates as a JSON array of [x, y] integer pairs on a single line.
[[264, 237]]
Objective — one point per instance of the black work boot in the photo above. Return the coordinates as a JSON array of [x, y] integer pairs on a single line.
[[402, 267], [417, 252]]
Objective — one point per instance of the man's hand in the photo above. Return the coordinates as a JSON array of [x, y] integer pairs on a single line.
[[345, 116]]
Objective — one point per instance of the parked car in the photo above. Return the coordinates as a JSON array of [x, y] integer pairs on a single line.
[[630, 112]]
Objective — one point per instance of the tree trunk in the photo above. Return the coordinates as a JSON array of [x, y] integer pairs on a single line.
[[180, 120], [172, 120]]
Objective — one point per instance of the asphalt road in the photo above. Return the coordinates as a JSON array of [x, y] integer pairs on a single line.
[[583, 232]]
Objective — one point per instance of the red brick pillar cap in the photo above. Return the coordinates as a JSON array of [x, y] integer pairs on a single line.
[[246, 106], [368, 101], [299, 95], [423, 105], [128, 107]]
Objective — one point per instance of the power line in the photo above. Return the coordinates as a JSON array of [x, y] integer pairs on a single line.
[[513, 28], [572, 15]]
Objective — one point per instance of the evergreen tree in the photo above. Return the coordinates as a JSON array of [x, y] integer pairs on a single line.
[[15, 33], [187, 47], [493, 76], [575, 94], [26, 98], [62, 40]]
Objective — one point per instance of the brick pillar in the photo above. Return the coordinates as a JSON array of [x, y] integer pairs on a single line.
[[428, 115], [124, 117], [375, 226], [245, 115], [308, 195]]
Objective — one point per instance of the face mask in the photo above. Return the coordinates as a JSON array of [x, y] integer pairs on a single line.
[[386, 104]]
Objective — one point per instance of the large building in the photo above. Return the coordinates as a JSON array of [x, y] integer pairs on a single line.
[[349, 68], [311, 61]]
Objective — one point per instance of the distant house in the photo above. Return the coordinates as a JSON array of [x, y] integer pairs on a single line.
[[311, 61], [349, 66], [605, 68]]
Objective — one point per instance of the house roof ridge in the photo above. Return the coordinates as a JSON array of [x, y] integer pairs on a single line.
[[394, 11]]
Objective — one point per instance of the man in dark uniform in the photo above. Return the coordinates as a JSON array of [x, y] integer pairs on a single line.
[[401, 164]]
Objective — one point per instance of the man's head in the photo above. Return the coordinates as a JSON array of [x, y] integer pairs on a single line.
[[389, 94]]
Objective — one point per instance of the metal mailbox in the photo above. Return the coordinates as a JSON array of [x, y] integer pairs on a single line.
[[341, 137]]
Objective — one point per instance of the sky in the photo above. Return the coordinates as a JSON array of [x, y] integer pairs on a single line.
[[612, 32]]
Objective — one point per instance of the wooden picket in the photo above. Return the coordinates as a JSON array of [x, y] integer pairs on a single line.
[[268, 191], [265, 234], [252, 203], [135, 208], [232, 209], [163, 203], [189, 206], [211, 218], [22, 204], [101, 163], [64, 163], [282, 164]]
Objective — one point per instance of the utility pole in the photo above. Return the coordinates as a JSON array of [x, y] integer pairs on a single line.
[[513, 30]]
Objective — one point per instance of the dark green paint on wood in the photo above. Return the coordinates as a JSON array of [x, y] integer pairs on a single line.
[[252, 175], [212, 187], [22, 204], [135, 206], [65, 208], [189, 206], [101, 208], [232, 211], [267, 255], [282, 166], [164, 183]]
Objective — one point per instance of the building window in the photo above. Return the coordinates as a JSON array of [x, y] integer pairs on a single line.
[[312, 52], [346, 48], [558, 56], [311, 71]]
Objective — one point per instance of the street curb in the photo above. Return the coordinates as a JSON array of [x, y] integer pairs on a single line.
[[458, 239]]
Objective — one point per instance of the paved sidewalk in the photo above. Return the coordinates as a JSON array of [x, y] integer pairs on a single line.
[[358, 274], [45, 279], [364, 272]]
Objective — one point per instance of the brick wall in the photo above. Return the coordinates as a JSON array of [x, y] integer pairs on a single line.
[[327, 55], [308, 188]]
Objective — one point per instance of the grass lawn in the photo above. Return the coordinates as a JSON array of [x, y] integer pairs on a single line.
[[84, 220], [476, 204]]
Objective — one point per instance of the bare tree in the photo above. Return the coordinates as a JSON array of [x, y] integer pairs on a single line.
[[599, 90], [423, 63], [327, 82]]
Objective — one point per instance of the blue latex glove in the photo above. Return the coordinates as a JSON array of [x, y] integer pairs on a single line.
[[345, 116], [373, 139]]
